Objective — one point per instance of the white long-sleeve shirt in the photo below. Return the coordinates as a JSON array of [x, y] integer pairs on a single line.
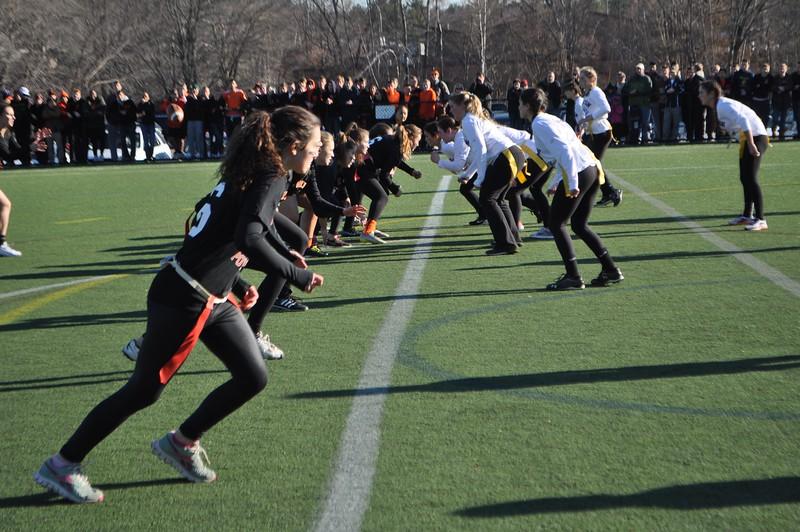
[[579, 113], [560, 147], [736, 117], [485, 143], [596, 108], [458, 151]]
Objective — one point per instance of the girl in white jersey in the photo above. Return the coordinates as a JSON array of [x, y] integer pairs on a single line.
[[578, 175], [753, 141], [456, 160], [496, 159], [597, 129]]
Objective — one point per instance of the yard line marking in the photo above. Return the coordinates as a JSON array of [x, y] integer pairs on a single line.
[[26, 291], [705, 167], [81, 220], [349, 489], [41, 301], [775, 276]]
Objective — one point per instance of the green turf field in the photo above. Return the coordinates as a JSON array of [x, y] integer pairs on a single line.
[[667, 402]]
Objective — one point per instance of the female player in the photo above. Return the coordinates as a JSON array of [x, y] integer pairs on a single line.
[[189, 300], [753, 142], [573, 194], [385, 153], [495, 158], [456, 154], [597, 128], [9, 150]]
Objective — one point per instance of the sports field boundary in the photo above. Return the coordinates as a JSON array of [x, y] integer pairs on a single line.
[[348, 494], [44, 288], [762, 268]]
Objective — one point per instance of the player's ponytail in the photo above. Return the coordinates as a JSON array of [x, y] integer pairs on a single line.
[[250, 152], [407, 134], [534, 98], [471, 103]]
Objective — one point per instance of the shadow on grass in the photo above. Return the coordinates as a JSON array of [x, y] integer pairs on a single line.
[[334, 303], [50, 499], [723, 494], [78, 320], [85, 379], [563, 378]]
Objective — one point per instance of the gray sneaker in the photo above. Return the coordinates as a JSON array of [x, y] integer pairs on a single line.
[[68, 481], [191, 462], [269, 351]]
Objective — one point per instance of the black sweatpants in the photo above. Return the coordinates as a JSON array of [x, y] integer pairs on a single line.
[[529, 194], [274, 285], [356, 196], [748, 175], [598, 144], [374, 191], [467, 190], [494, 189], [578, 209], [225, 333]]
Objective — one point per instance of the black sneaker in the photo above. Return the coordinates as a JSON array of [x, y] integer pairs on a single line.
[[315, 251], [495, 250], [289, 304], [617, 199], [608, 277], [566, 282], [478, 221], [605, 201], [350, 233]]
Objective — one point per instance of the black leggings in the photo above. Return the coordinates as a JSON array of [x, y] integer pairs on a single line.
[[495, 205], [579, 209], [374, 191], [530, 194], [356, 196], [467, 190], [274, 285], [598, 143], [748, 175], [226, 334]]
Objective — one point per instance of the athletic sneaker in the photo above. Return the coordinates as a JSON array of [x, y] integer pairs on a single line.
[[741, 220], [478, 221], [566, 282], [315, 251], [69, 481], [269, 351], [336, 242], [350, 233], [380, 234], [757, 225], [131, 349], [370, 237], [617, 199], [191, 462], [605, 201], [496, 250], [608, 277], [8, 251], [542, 234], [289, 304]]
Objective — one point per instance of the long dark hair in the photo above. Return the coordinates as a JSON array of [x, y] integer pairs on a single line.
[[535, 98], [255, 148]]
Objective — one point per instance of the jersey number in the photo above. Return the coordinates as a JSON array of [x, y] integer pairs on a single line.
[[204, 214]]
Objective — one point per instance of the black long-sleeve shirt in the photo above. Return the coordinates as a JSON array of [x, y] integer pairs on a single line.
[[10, 149], [384, 155]]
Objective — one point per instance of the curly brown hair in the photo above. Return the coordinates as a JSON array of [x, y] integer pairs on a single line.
[[255, 148]]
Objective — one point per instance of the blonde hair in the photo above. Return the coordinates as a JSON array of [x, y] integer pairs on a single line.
[[589, 73], [326, 138], [471, 103], [406, 135]]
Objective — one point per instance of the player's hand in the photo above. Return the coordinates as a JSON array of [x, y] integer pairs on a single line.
[[417, 174], [299, 260], [250, 298], [574, 193], [552, 190], [355, 210], [753, 149], [316, 280]]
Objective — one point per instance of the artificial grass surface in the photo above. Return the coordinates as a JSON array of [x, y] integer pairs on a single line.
[[667, 402]]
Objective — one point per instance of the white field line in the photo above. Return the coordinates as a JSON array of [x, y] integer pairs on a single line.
[[348, 494], [44, 288]]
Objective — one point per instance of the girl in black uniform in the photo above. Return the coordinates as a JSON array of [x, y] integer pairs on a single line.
[[190, 300], [386, 153], [350, 177]]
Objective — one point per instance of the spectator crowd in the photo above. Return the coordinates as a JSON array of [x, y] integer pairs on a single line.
[[649, 106]]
